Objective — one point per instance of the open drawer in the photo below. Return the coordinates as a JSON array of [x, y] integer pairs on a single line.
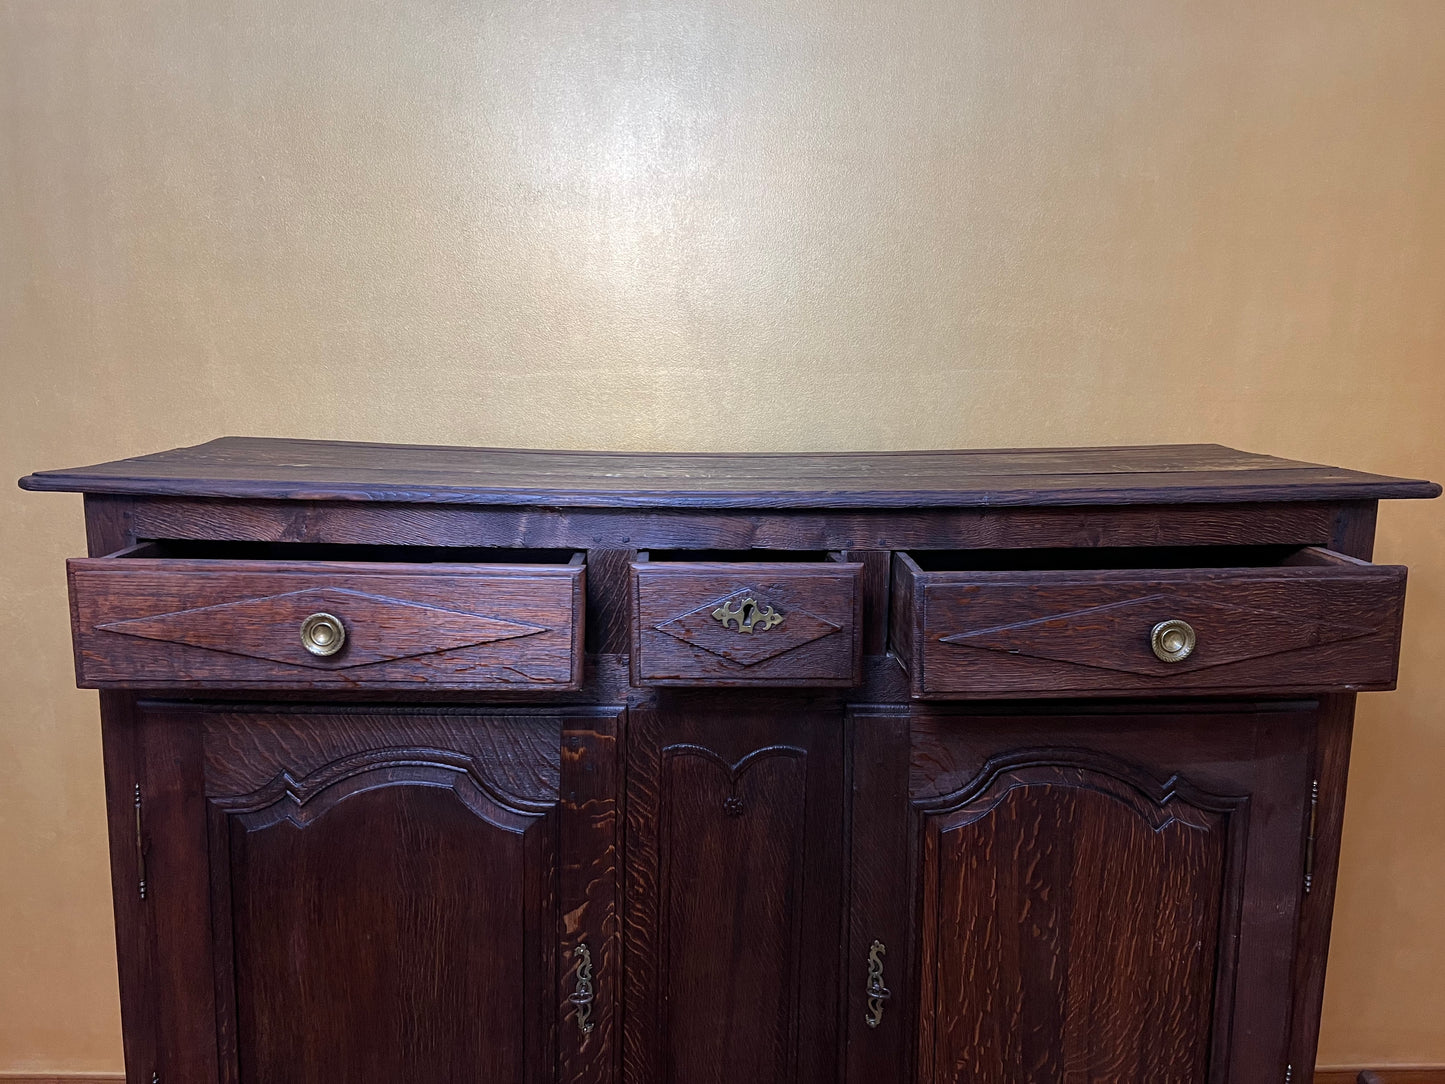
[[764, 618], [982, 624], [282, 616]]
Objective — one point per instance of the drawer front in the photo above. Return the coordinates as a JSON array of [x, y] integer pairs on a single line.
[[159, 624], [717, 623], [1334, 625]]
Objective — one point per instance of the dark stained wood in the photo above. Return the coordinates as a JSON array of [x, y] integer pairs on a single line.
[[734, 917], [385, 871], [388, 894], [1057, 896], [342, 522], [178, 899], [591, 914], [1354, 530], [1321, 622], [1063, 893], [904, 620], [394, 877], [678, 639], [419, 871], [609, 588], [338, 470], [167, 623], [643, 1023], [248, 744], [1330, 773], [134, 928], [881, 863], [108, 526], [1355, 536], [874, 585]]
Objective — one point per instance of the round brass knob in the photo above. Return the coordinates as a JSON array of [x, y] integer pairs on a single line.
[[1173, 640], [323, 634]]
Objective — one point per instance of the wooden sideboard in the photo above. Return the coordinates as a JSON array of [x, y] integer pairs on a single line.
[[472, 765]]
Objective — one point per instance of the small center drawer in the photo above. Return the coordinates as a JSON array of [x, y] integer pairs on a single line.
[[745, 619], [980, 624], [278, 616]]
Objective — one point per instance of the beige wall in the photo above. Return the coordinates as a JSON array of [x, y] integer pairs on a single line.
[[731, 224]]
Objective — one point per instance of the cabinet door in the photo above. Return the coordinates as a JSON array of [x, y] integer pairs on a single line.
[[382, 895], [734, 920], [1102, 895]]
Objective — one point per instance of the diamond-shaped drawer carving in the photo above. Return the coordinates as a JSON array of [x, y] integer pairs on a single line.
[[1313, 622], [749, 623], [719, 627], [161, 623], [1109, 637], [378, 629]]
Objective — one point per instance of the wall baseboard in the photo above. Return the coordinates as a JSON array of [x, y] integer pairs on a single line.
[[61, 1078]]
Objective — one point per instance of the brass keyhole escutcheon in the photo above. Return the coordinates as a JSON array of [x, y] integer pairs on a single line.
[[323, 634], [748, 616], [1172, 640]]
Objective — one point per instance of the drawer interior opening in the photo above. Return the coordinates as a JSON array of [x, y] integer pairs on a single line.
[[1141, 557], [741, 556], [187, 550]]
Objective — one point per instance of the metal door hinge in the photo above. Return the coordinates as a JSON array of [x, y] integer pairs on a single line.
[[1310, 839], [140, 850]]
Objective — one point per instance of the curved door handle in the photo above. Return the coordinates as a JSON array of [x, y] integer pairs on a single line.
[[877, 992], [582, 996]]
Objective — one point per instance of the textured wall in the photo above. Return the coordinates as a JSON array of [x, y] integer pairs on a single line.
[[732, 224]]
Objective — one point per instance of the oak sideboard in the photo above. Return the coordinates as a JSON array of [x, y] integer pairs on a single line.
[[443, 765]]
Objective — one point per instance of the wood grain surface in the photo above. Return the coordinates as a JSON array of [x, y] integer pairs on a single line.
[[1312, 626], [1060, 838], [388, 874], [166, 623], [1071, 924], [381, 893], [339, 521], [734, 915], [321, 470], [678, 640]]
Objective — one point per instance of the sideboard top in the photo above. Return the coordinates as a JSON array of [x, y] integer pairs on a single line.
[[268, 468]]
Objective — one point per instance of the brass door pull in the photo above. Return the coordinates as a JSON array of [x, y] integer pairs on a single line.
[[582, 996], [1173, 640], [323, 634], [877, 992]]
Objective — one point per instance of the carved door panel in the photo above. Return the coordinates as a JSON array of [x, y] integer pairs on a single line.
[[733, 922], [1108, 896], [391, 895]]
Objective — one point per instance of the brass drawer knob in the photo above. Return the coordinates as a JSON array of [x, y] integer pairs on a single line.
[[1173, 640], [323, 634]]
